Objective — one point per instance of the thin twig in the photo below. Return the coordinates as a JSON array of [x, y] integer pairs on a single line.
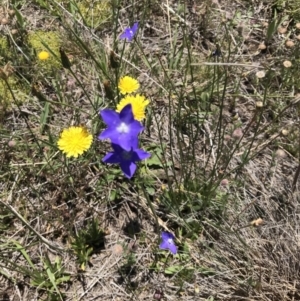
[[21, 218]]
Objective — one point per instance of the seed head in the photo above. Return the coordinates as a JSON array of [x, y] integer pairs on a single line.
[[224, 182], [282, 30], [11, 143], [280, 153], [289, 44], [257, 222], [287, 64], [4, 21], [259, 104], [260, 74], [11, 12], [237, 133], [262, 46]]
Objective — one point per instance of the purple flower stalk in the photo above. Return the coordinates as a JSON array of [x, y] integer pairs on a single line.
[[122, 128], [125, 158], [130, 32], [168, 242]]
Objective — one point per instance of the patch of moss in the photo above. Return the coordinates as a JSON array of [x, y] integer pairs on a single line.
[[290, 7], [95, 13], [4, 48], [20, 92], [49, 41]]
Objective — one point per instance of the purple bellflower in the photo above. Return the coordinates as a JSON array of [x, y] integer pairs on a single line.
[[168, 242], [122, 128], [130, 32], [126, 159]]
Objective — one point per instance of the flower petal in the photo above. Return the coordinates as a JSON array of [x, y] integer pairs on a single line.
[[112, 158], [134, 28], [126, 115], [173, 248], [127, 84], [168, 242], [128, 168], [126, 34], [138, 103], [140, 155], [130, 32], [167, 235], [125, 141], [107, 133], [164, 245], [74, 141], [110, 117], [117, 148]]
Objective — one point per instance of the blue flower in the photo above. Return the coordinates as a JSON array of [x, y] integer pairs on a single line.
[[122, 128], [130, 32], [168, 242], [125, 158]]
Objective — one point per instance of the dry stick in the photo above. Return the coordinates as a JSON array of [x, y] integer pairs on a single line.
[[21, 218], [245, 208], [228, 64], [298, 169], [296, 176], [173, 12], [43, 239]]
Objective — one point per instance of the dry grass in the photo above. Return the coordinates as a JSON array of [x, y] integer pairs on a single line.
[[225, 152]]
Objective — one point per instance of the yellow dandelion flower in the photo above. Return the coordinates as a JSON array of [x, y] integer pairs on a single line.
[[128, 84], [74, 141], [138, 103], [43, 55]]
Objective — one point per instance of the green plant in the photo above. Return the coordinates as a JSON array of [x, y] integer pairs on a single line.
[[47, 279], [50, 278], [86, 242]]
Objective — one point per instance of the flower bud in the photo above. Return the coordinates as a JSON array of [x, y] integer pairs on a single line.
[[289, 44], [11, 143], [237, 133]]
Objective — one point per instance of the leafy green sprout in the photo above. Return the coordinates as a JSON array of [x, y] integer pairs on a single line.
[[87, 242], [49, 278]]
